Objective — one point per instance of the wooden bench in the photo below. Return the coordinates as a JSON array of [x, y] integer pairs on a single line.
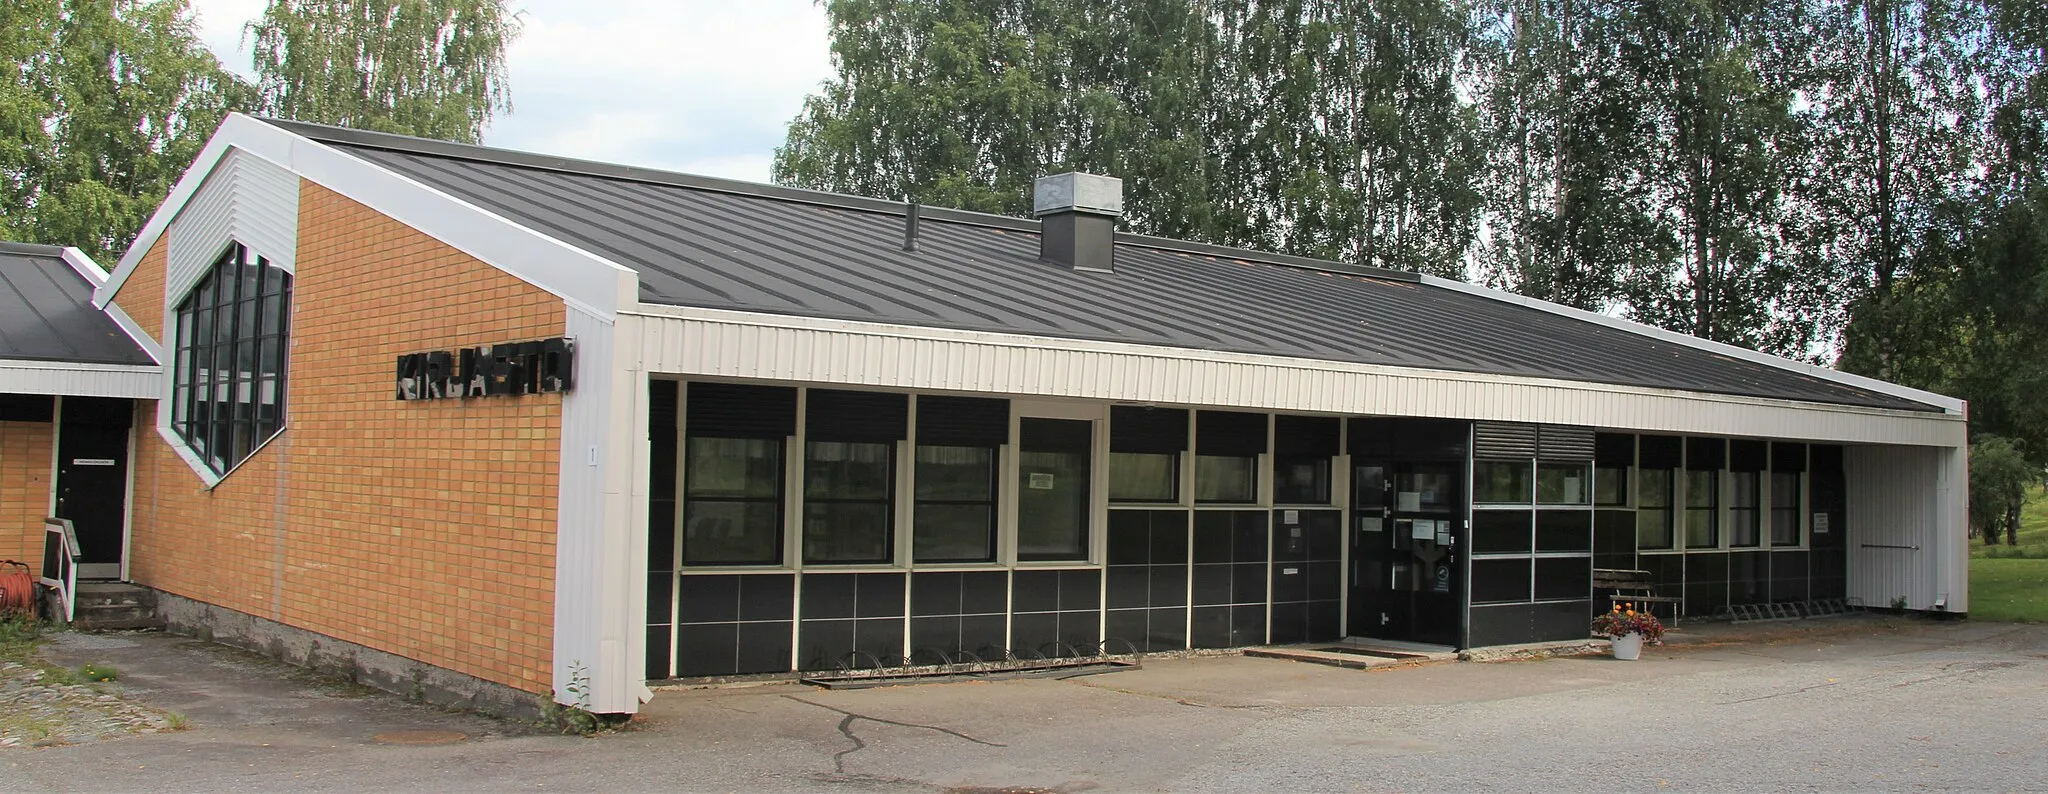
[[1635, 586]]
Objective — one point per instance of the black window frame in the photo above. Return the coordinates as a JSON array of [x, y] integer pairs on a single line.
[[252, 349], [1668, 509], [1792, 512], [886, 502], [736, 412], [919, 502], [1711, 507], [1745, 521], [691, 499]]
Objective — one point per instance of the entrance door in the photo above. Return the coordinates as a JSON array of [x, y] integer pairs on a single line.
[[92, 480], [1407, 542]]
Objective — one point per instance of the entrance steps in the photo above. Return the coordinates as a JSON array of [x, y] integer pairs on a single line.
[[1359, 653], [115, 605]]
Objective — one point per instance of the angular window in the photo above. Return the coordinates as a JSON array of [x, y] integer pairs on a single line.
[[228, 388]]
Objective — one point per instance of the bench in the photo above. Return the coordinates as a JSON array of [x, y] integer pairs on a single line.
[[1635, 586]]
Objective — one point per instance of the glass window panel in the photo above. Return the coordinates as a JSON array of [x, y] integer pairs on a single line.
[[1654, 489], [1144, 477], [955, 473], [1785, 509], [849, 470], [845, 532], [734, 468], [1435, 488], [1052, 505], [220, 359], [1302, 481], [732, 532], [1702, 488], [1500, 482], [1561, 483], [1743, 516], [954, 533], [1702, 502], [1220, 478], [1610, 486]]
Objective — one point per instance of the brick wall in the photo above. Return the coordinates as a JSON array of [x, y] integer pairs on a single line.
[[142, 295], [424, 529], [25, 458]]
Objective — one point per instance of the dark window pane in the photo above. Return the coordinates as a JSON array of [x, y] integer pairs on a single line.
[[736, 468], [1501, 531], [1500, 482], [955, 473], [1302, 481], [732, 532], [953, 533], [1610, 486], [1052, 500], [1561, 483], [846, 532], [1564, 530], [1785, 510], [1144, 477], [1500, 581], [1653, 528], [1226, 479], [848, 470], [1654, 489], [1702, 502]]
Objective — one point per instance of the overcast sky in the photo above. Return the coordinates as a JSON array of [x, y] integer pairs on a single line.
[[701, 86]]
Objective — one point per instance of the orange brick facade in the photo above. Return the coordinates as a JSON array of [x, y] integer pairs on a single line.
[[25, 460], [423, 529]]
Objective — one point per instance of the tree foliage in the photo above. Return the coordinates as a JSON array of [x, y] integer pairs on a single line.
[[1999, 478], [431, 68], [107, 103]]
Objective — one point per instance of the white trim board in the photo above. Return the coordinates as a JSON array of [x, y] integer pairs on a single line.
[[566, 271], [721, 343], [1946, 403], [71, 379]]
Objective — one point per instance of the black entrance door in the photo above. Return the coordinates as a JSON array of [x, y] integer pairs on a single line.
[[92, 479], [1407, 551]]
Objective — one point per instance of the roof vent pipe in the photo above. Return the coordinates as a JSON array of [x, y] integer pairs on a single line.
[[1077, 219], [910, 216]]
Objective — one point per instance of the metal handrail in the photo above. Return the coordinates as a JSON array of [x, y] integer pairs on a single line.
[[60, 562]]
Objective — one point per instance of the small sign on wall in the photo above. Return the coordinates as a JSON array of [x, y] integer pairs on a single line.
[[1820, 523], [92, 461]]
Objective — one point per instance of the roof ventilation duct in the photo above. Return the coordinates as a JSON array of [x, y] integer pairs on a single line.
[[1077, 219]]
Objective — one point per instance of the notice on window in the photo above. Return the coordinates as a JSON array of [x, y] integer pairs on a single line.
[[1820, 523], [1290, 516], [1422, 530], [1408, 501], [1041, 481]]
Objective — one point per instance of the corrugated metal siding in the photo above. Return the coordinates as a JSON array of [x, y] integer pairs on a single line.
[[828, 352], [31, 378], [246, 199], [599, 608], [1898, 521]]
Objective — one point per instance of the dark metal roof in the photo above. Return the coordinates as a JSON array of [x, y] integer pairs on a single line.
[[715, 243], [46, 312]]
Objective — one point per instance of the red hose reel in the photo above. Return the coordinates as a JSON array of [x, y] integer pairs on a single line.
[[17, 589]]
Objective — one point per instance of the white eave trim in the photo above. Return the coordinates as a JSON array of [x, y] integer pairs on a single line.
[[564, 270], [1945, 403], [72, 379], [1465, 380]]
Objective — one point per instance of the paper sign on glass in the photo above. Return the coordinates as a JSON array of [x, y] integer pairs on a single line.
[[1820, 523], [1041, 481], [1422, 530], [1408, 500]]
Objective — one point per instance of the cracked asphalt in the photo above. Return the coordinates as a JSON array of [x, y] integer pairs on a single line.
[[1863, 704]]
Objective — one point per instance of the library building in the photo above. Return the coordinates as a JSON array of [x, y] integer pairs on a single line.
[[550, 430]]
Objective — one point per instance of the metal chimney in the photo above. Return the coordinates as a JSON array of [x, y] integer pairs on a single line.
[[1077, 219]]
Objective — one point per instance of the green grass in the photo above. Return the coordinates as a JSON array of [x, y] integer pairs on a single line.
[[2011, 582]]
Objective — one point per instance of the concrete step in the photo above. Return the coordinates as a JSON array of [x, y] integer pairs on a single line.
[[115, 605]]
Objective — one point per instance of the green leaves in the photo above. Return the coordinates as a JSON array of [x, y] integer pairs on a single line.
[[107, 103], [430, 68]]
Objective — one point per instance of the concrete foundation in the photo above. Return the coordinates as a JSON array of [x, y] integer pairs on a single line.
[[414, 680]]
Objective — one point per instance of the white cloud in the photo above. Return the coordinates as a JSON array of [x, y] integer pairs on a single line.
[[695, 85]]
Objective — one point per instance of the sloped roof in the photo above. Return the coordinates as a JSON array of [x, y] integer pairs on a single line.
[[46, 312], [714, 243]]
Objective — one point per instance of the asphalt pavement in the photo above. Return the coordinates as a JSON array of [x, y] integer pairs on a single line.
[[1838, 704]]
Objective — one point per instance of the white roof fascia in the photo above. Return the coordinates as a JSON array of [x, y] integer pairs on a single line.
[[1140, 351], [1944, 402], [577, 276], [75, 379]]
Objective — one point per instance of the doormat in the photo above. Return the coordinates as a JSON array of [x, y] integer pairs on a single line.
[[1370, 652]]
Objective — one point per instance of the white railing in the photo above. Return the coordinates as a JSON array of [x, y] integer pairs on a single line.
[[60, 562]]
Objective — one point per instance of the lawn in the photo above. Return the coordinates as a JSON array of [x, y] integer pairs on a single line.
[[2011, 582]]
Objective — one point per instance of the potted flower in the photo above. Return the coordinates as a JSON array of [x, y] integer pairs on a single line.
[[1628, 629]]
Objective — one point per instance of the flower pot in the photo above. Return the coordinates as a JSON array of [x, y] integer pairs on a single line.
[[1628, 647]]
